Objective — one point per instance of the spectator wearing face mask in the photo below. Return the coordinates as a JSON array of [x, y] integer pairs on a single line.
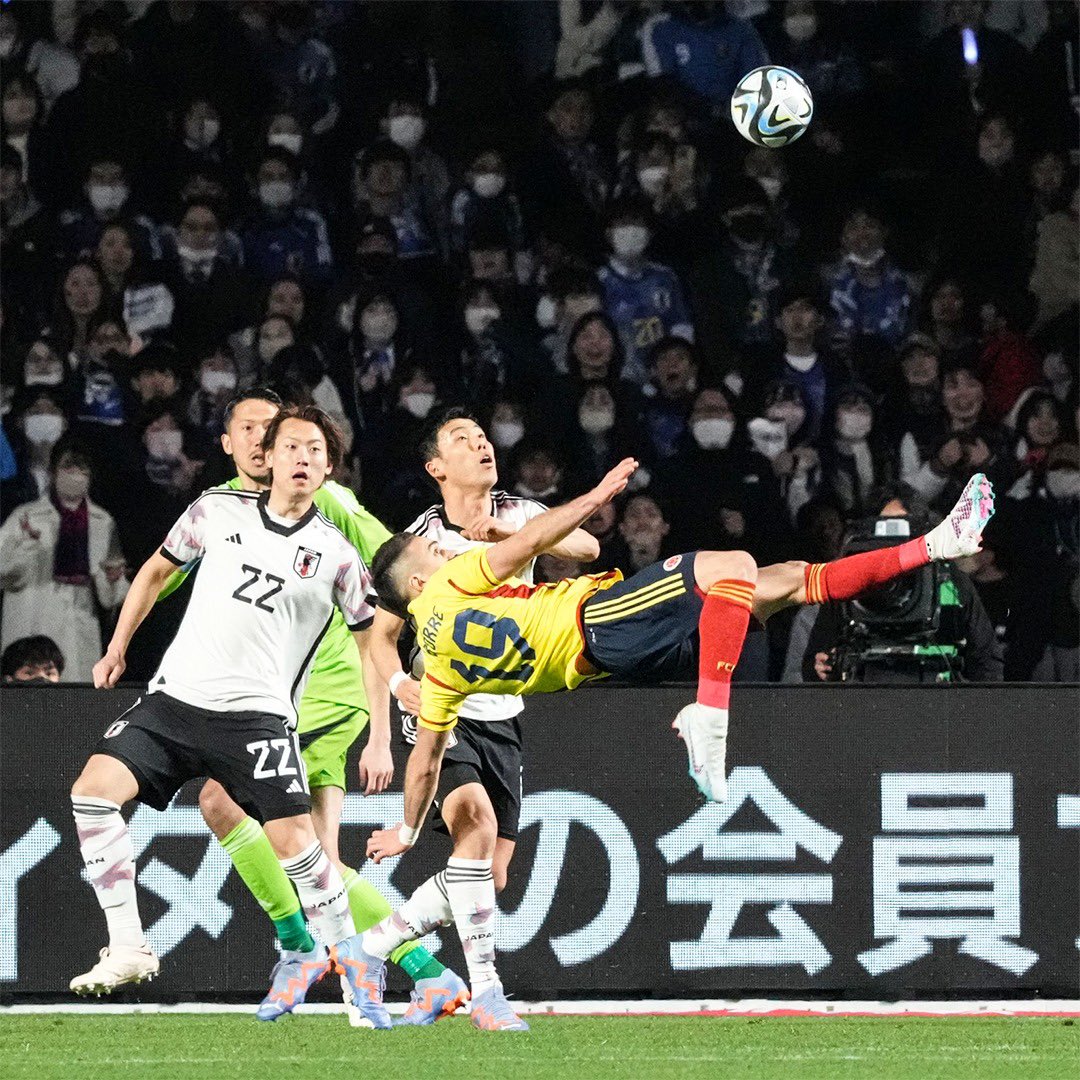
[[602, 433], [950, 320], [739, 276], [1040, 538], [106, 195], [706, 49], [198, 144], [854, 457], [280, 236], [39, 415], [570, 293], [27, 239], [378, 348], [383, 191], [969, 441], [721, 492], [31, 661], [1039, 423], [662, 174], [43, 366], [538, 474], [155, 376], [216, 381], [566, 178], [644, 299], [673, 375], [484, 205], [405, 125], [60, 562], [212, 296], [868, 294], [797, 466], [769, 171], [914, 418], [1008, 363]]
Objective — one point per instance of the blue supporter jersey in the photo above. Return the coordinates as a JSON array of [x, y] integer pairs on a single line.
[[294, 243], [646, 305]]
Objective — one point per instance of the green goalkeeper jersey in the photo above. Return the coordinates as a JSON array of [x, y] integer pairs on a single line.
[[336, 679]]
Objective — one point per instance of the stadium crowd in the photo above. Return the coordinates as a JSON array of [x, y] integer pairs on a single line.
[[541, 210]]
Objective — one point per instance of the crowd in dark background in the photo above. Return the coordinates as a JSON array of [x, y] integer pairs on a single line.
[[542, 210]]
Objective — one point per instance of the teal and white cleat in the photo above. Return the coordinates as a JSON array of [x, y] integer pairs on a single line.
[[960, 533], [492, 1012], [117, 966], [366, 975], [293, 976], [432, 999], [704, 731]]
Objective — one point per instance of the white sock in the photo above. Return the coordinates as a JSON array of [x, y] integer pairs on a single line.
[[471, 890], [426, 909], [109, 857], [322, 893]]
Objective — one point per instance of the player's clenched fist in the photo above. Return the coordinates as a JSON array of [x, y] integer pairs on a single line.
[[616, 480], [107, 671], [384, 843]]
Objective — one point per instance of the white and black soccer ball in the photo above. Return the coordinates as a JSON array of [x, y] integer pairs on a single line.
[[771, 106]]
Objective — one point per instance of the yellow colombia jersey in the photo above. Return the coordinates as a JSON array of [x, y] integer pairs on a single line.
[[483, 636]]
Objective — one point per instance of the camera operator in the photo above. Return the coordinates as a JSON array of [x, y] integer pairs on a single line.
[[950, 638]]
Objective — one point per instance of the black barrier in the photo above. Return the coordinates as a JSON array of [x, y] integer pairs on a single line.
[[881, 842]]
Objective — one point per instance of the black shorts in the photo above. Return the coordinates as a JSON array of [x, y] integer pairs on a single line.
[[487, 752], [646, 628], [165, 743]]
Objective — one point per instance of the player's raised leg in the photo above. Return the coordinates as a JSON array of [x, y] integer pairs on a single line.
[[104, 785], [727, 579]]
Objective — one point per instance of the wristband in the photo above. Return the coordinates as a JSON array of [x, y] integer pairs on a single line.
[[407, 836], [395, 681]]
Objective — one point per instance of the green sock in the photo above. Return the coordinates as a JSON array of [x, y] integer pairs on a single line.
[[368, 907], [261, 872]]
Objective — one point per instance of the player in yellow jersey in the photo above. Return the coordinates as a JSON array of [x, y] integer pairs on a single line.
[[484, 631]]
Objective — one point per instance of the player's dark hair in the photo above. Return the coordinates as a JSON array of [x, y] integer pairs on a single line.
[[429, 444], [335, 441], [35, 651], [386, 578], [255, 393]]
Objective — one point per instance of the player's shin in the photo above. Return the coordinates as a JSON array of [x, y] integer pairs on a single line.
[[109, 857], [471, 891], [426, 909], [253, 857], [846, 578], [370, 909], [322, 893], [725, 615]]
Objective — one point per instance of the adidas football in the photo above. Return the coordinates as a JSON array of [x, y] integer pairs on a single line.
[[771, 106]]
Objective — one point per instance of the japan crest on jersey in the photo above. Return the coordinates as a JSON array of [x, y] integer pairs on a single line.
[[306, 563]]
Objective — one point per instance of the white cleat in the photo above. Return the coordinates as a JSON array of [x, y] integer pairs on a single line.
[[961, 532], [704, 731], [356, 1018], [117, 967]]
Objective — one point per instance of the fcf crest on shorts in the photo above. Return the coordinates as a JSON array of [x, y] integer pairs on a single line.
[[671, 563], [115, 728], [306, 563]]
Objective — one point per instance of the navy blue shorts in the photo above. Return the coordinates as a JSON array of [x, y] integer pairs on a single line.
[[646, 628]]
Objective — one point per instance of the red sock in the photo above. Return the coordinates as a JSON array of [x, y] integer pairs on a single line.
[[846, 578], [722, 627]]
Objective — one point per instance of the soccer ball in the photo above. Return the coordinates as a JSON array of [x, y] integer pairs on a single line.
[[771, 106]]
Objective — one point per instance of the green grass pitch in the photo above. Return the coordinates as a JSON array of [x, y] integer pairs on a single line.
[[179, 1047]]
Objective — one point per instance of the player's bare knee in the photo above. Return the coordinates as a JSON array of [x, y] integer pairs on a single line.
[[713, 566], [218, 810], [289, 836]]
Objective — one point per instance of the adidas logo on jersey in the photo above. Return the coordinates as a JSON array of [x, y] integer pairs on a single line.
[[234, 539], [294, 788]]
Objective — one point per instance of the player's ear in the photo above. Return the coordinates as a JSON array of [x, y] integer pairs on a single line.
[[434, 469], [226, 443]]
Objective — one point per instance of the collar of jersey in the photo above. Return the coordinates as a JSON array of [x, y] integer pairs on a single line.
[[447, 523], [283, 530]]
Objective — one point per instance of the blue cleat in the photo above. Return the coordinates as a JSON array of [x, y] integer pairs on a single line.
[[293, 976], [491, 1012], [432, 999], [366, 975]]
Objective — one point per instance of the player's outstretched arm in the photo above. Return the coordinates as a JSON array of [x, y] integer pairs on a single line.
[[376, 764], [140, 599], [421, 781], [542, 533]]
